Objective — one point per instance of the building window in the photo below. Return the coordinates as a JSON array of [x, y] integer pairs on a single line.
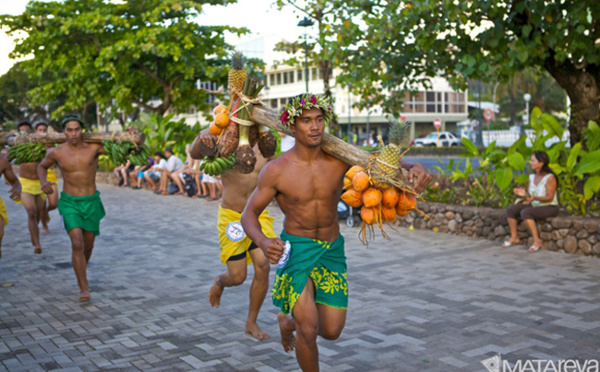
[[454, 102], [272, 79], [314, 73], [299, 75], [279, 78], [285, 78], [321, 74], [430, 96], [419, 101], [273, 103], [291, 73]]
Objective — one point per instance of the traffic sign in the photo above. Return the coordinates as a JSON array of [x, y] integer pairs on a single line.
[[437, 123], [488, 114]]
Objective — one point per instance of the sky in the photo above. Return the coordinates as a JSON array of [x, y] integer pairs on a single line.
[[260, 16]]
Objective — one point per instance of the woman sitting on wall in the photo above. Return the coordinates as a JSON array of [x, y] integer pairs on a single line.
[[540, 201]]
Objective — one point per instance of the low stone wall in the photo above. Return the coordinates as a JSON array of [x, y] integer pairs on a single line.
[[569, 234]]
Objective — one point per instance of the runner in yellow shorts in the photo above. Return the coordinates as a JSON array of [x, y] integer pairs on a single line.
[[15, 194]]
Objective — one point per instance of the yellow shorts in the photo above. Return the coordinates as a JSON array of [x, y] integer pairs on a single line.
[[3, 212], [51, 176], [232, 238], [32, 187]]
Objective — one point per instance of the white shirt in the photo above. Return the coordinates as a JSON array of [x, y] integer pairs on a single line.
[[540, 190], [162, 164], [287, 142], [174, 164]]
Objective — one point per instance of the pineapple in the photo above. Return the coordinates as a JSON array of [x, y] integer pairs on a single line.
[[387, 162], [237, 75]]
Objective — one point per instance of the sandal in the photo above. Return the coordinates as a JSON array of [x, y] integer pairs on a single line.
[[508, 243], [534, 248]]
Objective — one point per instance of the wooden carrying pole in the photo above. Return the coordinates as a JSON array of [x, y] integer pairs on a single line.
[[91, 137], [332, 145]]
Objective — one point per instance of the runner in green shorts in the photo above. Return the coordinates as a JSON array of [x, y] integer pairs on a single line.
[[311, 282], [79, 203]]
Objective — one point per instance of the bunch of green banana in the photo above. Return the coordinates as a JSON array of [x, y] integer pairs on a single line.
[[216, 166], [27, 153], [120, 151]]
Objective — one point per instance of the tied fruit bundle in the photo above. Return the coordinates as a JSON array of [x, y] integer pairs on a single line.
[[27, 153], [237, 133], [119, 152], [380, 190]]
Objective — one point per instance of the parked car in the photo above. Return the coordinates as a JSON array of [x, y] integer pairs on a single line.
[[446, 139]]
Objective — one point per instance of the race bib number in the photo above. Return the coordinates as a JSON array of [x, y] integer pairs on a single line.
[[235, 232]]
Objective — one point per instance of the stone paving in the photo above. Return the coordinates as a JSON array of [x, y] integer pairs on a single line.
[[423, 301]]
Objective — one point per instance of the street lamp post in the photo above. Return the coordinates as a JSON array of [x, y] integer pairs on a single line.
[[349, 116], [527, 98], [479, 134], [306, 22]]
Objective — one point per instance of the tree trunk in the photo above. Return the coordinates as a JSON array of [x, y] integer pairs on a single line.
[[90, 137], [332, 145], [582, 86]]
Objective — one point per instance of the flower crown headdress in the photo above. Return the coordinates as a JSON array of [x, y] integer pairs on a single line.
[[306, 101]]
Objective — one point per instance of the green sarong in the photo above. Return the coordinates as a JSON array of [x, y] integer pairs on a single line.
[[324, 262], [84, 212]]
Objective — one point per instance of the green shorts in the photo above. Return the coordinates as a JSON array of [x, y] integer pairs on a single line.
[[84, 212], [323, 262]]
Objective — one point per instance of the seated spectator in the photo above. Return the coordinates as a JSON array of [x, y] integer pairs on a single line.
[[141, 171], [174, 164], [126, 170], [190, 168], [153, 174], [539, 202]]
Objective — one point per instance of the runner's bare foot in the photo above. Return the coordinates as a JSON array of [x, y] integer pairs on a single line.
[[37, 250], [44, 231], [256, 332], [214, 294], [85, 296], [286, 328]]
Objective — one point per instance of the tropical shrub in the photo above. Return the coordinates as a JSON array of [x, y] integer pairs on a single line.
[[577, 168]]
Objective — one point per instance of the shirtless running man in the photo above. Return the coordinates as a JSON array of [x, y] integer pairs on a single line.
[[79, 203], [237, 250], [311, 281], [32, 196], [52, 199], [15, 194]]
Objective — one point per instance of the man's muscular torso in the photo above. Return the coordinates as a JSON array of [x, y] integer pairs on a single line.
[[78, 166], [308, 194], [29, 171]]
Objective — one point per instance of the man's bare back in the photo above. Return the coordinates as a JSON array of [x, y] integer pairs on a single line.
[[78, 166], [238, 187]]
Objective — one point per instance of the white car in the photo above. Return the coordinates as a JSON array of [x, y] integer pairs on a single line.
[[446, 139]]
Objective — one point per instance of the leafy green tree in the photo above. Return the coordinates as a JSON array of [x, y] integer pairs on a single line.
[[123, 55], [398, 45], [14, 102], [319, 48]]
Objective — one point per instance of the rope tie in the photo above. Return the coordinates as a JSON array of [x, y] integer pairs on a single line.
[[247, 104]]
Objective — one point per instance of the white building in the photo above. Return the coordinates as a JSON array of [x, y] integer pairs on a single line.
[[283, 82]]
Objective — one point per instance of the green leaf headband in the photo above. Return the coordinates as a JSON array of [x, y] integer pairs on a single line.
[[306, 101], [69, 118]]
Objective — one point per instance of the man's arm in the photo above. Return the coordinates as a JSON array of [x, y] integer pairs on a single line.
[[204, 139], [11, 177], [42, 171], [261, 197], [417, 175]]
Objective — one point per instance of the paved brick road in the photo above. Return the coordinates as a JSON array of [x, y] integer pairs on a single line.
[[422, 302]]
